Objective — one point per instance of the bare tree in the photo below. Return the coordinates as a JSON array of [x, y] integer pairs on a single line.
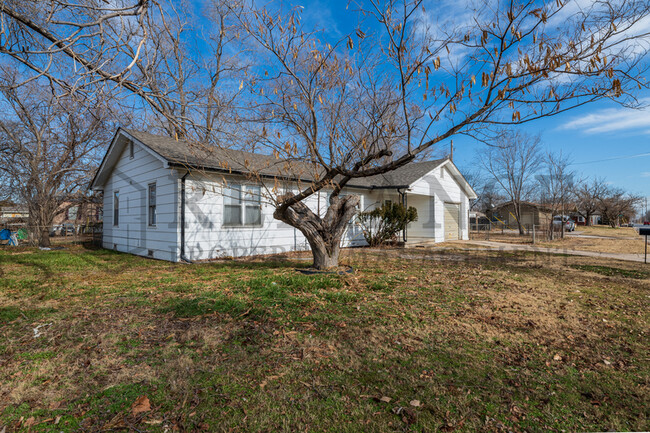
[[588, 195], [179, 71], [487, 190], [556, 187], [616, 204], [513, 161], [401, 84], [49, 149]]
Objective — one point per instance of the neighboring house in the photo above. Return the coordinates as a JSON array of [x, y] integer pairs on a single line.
[[581, 221], [478, 220], [11, 212], [531, 213], [173, 201], [82, 213]]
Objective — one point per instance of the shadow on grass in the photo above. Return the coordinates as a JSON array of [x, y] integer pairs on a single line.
[[9, 314]]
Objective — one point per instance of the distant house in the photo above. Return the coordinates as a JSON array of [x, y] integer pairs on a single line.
[[170, 200], [9, 212], [531, 214], [82, 213], [595, 219]]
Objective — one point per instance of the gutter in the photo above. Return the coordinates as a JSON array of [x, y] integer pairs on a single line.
[[183, 258], [177, 165]]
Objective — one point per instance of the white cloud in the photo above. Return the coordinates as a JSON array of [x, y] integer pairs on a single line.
[[645, 174], [611, 120]]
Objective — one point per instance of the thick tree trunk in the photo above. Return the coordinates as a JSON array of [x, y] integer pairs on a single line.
[[518, 217], [40, 222], [323, 234], [44, 237]]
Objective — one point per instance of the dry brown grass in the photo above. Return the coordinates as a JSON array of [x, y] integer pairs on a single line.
[[618, 232], [622, 246]]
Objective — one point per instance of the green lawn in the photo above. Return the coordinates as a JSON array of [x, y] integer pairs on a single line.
[[482, 341]]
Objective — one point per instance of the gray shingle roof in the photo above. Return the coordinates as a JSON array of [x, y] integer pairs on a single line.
[[182, 153]]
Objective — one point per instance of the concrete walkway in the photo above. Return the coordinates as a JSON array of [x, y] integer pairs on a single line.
[[502, 246]]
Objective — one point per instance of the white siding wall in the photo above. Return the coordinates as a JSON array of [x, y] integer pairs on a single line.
[[131, 178], [207, 238], [429, 195]]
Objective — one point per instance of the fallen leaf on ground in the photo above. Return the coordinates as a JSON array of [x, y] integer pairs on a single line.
[[385, 399], [415, 403], [140, 405], [557, 357], [154, 422]]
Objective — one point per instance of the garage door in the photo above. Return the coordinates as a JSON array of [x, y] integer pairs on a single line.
[[527, 219], [452, 215]]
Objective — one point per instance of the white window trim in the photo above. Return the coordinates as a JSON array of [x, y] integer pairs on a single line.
[[155, 205], [116, 209], [242, 187]]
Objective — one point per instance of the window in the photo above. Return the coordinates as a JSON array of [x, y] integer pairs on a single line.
[[152, 204], [242, 205], [253, 206], [131, 151], [116, 208], [71, 213]]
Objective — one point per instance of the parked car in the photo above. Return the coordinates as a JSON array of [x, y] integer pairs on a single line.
[[646, 223], [62, 230], [569, 224]]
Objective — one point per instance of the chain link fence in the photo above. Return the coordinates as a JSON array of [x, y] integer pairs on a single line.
[[504, 233], [21, 234]]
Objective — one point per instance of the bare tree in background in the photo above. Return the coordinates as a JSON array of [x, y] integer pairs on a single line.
[[513, 161], [588, 194], [556, 186], [48, 151], [486, 188], [368, 103], [616, 204]]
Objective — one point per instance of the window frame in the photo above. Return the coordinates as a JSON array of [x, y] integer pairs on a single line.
[[243, 203], [116, 208], [131, 150], [152, 217]]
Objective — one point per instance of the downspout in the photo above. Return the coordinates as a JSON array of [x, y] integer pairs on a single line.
[[403, 197], [183, 258]]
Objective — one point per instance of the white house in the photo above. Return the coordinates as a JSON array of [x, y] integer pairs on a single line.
[[174, 201]]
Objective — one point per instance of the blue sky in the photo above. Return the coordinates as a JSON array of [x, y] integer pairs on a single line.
[[598, 138], [603, 131]]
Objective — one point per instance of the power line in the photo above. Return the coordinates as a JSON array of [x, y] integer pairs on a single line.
[[638, 155]]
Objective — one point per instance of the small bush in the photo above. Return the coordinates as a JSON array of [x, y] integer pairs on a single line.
[[384, 223]]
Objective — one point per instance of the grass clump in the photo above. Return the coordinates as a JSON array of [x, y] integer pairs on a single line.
[[614, 272]]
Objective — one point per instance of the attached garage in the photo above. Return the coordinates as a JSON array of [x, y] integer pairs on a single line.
[[452, 221]]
